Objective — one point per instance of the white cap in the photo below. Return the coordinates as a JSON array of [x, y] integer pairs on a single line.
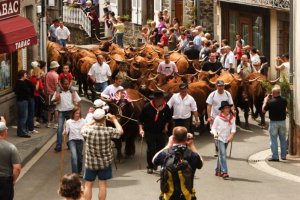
[[2, 126], [195, 31], [35, 64], [99, 113], [99, 103], [54, 64]]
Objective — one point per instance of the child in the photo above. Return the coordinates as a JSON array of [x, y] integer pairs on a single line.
[[65, 74], [73, 128], [70, 187], [223, 130]]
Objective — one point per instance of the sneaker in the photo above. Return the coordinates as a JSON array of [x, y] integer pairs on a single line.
[[36, 125], [55, 126], [149, 171], [33, 131], [273, 160], [218, 174], [225, 176], [48, 125]]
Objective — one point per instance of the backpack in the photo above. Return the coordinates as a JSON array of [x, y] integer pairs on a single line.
[[176, 175]]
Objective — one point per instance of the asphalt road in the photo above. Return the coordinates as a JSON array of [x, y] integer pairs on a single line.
[[131, 183]]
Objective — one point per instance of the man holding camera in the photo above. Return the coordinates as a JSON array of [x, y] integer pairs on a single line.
[[180, 141], [276, 105]]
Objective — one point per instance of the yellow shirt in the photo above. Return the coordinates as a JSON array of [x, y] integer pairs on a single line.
[[120, 27]]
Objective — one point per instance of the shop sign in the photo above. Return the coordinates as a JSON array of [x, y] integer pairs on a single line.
[[22, 44], [9, 8]]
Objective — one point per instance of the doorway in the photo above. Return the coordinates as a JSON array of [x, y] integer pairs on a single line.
[[245, 29], [179, 10]]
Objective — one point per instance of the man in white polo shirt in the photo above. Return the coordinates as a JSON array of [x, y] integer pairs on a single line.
[[229, 60], [109, 91], [62, 34], [183, 105], [99, 74]]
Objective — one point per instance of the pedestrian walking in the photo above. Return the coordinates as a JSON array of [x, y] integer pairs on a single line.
[[75, 142], [62, 34], [10, 164], [65, 103], [70, 187], [183, 105], [153, 125], [179, 161], [277, 106], [99, 74], [223, 130], [98, 159], [52, 29]]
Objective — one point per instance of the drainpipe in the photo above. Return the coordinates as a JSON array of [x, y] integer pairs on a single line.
[[195, 12]]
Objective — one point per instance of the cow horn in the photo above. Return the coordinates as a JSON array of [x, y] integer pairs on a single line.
[[213, 73], [252, 80], [151, 61], [157, 51], [153, 78], [197, 70], [132, 79], [213, 83], [142, 48], [61, 51], [135, 68], [201, 60], [130, 59], [97, 38], [274, 81], [115, 59], [108, 61], [195, 74], [227, 83], [159, 88]]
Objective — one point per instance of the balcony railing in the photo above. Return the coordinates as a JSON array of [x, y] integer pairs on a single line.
[[275, 4], [77, 16]]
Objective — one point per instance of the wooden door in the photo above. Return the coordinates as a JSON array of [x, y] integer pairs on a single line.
[[179, 10], [245, 29]]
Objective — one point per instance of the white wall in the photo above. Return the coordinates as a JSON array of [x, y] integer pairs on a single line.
[[273, 43]]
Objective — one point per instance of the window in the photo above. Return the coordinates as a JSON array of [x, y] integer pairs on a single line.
[[233, 28], [127, 8], [258, 33], [5, 72]]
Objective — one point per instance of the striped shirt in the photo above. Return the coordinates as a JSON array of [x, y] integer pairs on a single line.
[[98, 150]]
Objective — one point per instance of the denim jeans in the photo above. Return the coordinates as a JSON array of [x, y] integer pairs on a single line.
[[62, 42], [278, 129], [76, 147], [221, 162], [22, 117], [101, 86], [31, 111], [119, 39], [62, 116]]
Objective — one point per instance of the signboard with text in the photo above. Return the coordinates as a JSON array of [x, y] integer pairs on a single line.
[[9, 8]]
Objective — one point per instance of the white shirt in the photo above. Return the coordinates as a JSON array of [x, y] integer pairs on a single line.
[[255, 60], [285, 71], [223, 128], [245, 70], [215, 100], [73, 128], [229, 60], [182, 107], [100, 72], [167, 69], [66, 101], [89, 118], [62, 33], [110, 90]]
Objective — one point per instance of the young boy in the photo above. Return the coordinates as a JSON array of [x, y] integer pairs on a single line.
[[65, 74]]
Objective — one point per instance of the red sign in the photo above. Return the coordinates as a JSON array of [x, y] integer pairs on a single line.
[[9, 8]]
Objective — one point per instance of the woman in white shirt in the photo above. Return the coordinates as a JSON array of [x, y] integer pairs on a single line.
[[223, 130], [73, 128]]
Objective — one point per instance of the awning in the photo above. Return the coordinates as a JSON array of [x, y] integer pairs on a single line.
[[16, 33]]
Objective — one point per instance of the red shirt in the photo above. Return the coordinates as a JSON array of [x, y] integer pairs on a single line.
[[34, 81], [69, 76], [164, 40]]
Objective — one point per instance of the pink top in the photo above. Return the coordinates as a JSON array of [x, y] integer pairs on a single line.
[[51, 81]]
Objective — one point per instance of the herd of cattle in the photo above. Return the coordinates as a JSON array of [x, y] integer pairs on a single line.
[[142, 63]]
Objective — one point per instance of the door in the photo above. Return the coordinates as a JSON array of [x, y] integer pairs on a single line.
[[136, 12], [245, 29], [114, 6], [179, 10], [157, 8], [150, 10]]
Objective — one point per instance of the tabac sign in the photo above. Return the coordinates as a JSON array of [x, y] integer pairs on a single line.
[[9, 8]]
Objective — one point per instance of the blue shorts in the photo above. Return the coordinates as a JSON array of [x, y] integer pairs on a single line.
[[103, 174]]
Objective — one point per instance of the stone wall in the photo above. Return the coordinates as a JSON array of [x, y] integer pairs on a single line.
[[206, 15], [188, 12], [132, 34], [78, 36]]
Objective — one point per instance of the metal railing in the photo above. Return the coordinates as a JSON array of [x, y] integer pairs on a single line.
[[77, 16], [275, 4]]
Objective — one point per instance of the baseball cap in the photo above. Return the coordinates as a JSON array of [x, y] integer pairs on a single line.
[[2, 126], [220, 82], [99, 103], [99, 113]]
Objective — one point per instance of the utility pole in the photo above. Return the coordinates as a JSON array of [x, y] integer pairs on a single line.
[[43, 32]]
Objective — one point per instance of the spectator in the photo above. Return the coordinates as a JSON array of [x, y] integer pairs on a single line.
[[160, 26], [164, 40], [238, 51], [172, 43], [204, 53], [62, 34], [229, 59], [223, 130], [191, 51], [99, 74], [120, 29], [166, 17], [284, 67], [277, 107], [10, 164], [108, 23], [51, 84], [65, 74], [245, 69], [153, 35], [183, 42], [93, 16], [176, 25], [23, 92], [97, 104], [183, 105], [52, 29], [75, 142], [70, 187], [239, 37], [200, 31], [65, 103], [153, 124], [98, 160], [197, 40], [145, 35], [255, 59], [212, 64]]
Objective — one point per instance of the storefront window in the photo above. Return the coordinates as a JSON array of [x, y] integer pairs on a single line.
[[5, 72], [233, 28], [258, 33]]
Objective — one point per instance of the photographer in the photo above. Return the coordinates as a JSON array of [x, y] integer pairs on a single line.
[[276, 105], [180, 141]]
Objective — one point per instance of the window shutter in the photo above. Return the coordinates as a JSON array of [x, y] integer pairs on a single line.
[[136, 12], [157, 8]]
